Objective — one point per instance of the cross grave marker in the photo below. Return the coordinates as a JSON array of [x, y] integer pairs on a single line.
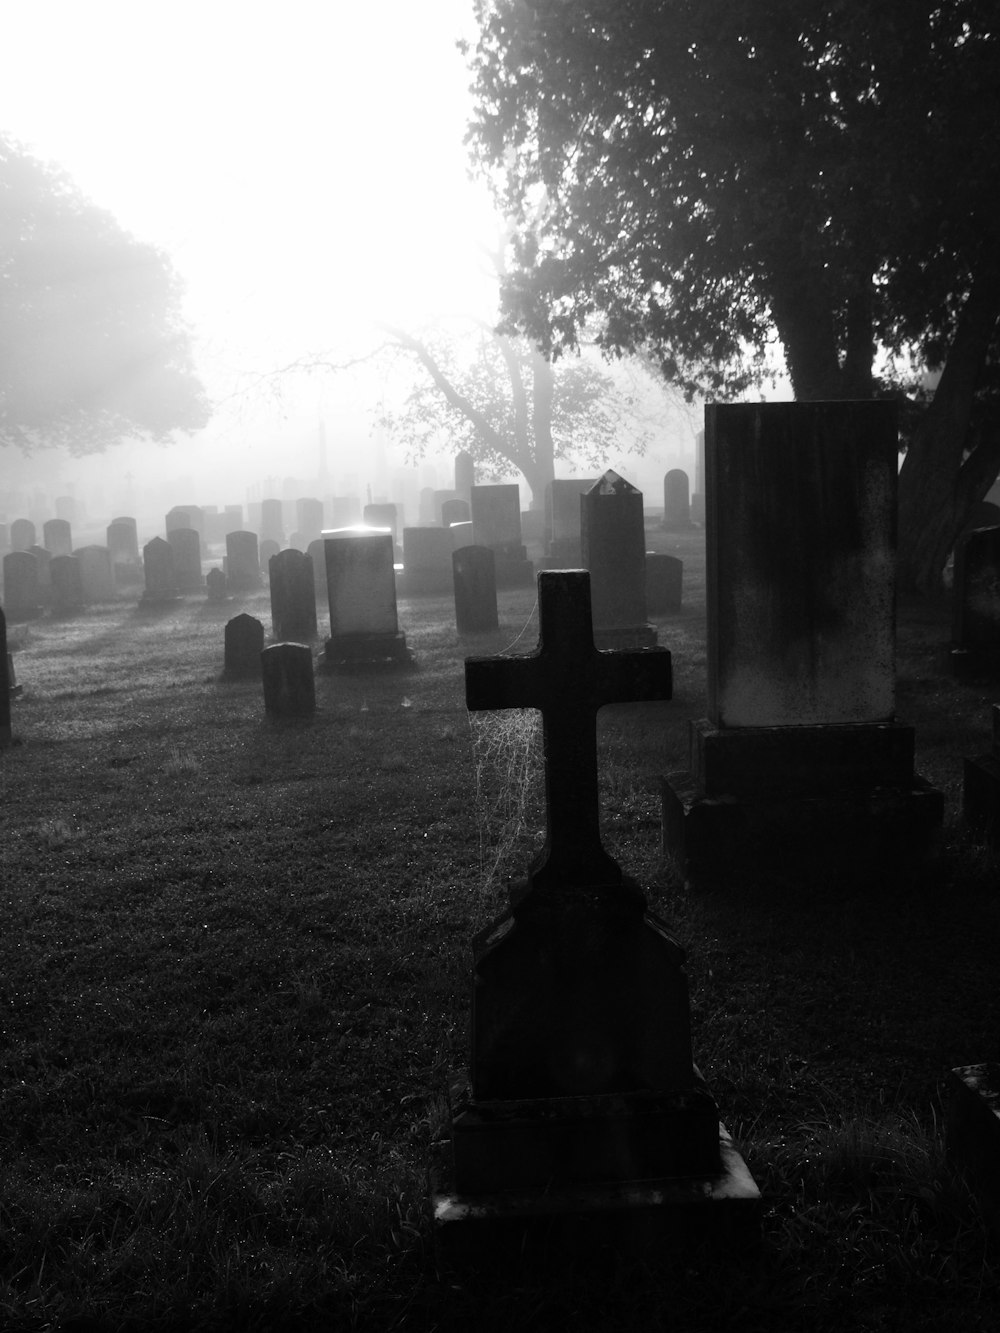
[[567, 679], [582, 1077]]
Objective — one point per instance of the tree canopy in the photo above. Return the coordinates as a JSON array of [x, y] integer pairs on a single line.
[[702, 177], [92, 345], [500, 399]]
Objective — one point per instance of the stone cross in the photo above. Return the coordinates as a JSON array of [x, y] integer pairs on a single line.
[[567, 679]]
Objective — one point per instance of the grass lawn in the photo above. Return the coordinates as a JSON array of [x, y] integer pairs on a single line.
[[234, 986]]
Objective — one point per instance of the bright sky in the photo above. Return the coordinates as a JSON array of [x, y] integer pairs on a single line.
[[301, 161]]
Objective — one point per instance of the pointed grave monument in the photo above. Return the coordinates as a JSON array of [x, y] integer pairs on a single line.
[[584, 1110], [613, 546], [800, 759]]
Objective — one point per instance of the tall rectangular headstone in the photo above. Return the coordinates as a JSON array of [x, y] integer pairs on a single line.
[[242, 561], [800, 562], [426, 561], [158, 572], [562, 521], [186, 544], [496, 523], [800, 756]]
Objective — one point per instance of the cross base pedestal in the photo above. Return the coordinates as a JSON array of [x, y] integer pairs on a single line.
[[355, 651], [569, 1223], [530, 1142]]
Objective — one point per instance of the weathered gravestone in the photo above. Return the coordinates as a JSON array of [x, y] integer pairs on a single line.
[[496, 523], [242, 562], [975, 619], [562, 522], [475, 582], [664, 582], [215, 586], [676, 501], [185, 516], [361, 590], [57, 536], [22, 600], [289, 684], [243, 645], [293, 596], [455, 511], [158, 572], [67, 585], [123, 543], [800, 756], [426, 510], [981, 791], [613, 547], [186, 546], [584, 1104], [96, 576], [426, 561], [6, 735], [43, 565], [22, 534]]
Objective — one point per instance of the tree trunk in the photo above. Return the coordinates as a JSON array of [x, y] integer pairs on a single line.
[[542, 391], [936, 488]]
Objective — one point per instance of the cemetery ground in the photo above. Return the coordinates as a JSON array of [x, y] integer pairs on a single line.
[[234, 988]]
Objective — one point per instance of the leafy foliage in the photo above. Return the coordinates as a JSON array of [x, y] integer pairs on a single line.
[[512, 409], [92, 347], [700, 173]]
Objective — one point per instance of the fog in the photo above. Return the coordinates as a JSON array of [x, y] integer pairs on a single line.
[[305, 171]]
